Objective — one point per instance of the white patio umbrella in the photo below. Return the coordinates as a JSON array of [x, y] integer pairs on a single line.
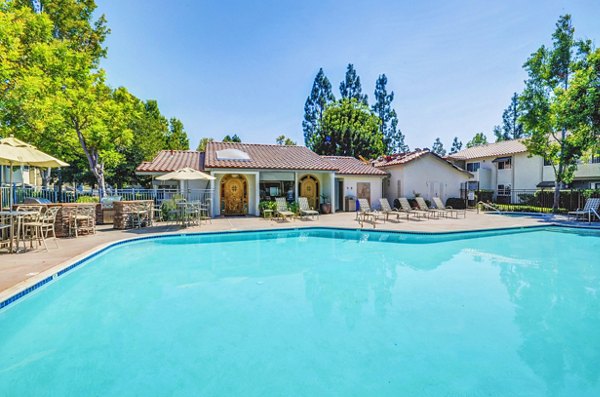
[[186, 174], [16, 152]]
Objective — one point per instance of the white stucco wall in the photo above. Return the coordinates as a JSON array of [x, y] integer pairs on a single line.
[[528, 171], [584, 171], [427, 176], [350, 182]]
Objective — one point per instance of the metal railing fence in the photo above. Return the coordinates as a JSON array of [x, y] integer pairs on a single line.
[[19, 194]]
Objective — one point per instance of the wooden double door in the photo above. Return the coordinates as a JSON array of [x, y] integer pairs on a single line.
[[309, 188], [234, 195]]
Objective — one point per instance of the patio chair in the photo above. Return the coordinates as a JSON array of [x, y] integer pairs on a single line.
[[433, 212], [137, 215], [28, 232], [82, 220], [282, 210], [387, 209], [447, 210], [44, 225], [590, 207], [305, 209], [5, 238], [365, 212], [405, 207]]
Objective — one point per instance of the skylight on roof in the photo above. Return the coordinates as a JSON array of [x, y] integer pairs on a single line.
[[232, 154]]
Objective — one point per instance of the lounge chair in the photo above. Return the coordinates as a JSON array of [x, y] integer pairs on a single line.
[[591, 207], [305, 209], [365, 212], [282, 210], [387, 209], [425, 208], [405, 207], [447, 210]]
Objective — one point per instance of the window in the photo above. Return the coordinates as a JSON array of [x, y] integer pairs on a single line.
[[473, 167], [547, 162], [503, 190], [595, 160], [269, 190], [505, 164]]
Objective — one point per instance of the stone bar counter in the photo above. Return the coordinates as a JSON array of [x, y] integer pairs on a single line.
[[128, 213]]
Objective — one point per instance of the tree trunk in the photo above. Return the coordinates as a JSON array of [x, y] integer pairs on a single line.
[[45, 177], [96, 166], [559, 174]]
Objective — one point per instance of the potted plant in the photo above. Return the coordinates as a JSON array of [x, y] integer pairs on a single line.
[[325, 204]]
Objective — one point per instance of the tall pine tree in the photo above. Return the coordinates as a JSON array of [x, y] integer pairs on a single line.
[[511, 127], [438, 148], [350, 88], [456, 146], [393, 138], [315, 104]]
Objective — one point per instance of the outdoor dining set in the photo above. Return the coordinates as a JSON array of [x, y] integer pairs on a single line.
[[27, 225]]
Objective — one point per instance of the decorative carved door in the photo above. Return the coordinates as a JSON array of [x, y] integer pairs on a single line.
[[234, 195], [309, 187]]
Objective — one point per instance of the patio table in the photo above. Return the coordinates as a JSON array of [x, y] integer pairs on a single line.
[[16, 220]]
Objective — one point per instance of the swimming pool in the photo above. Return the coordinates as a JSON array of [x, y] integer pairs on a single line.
[[316, 312]]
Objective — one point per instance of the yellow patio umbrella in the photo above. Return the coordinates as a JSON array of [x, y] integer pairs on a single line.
[[186, 174], [16, 152]]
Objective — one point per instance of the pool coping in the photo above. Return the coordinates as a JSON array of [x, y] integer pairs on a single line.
[[25, 287]]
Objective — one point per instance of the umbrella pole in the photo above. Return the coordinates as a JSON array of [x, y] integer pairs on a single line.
[[12, 187]]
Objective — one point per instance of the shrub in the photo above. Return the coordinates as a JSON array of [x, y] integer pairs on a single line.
[[88, 199], [266, 205]]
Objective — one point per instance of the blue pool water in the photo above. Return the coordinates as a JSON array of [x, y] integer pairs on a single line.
[[316, 313]]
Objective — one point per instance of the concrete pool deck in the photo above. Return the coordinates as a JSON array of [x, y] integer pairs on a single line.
[[17, 271]]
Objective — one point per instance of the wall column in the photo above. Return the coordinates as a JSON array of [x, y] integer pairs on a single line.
[[256, 193], [332, 187], [296, 186]]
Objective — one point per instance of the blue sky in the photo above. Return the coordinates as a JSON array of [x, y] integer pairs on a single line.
[[246, 67]]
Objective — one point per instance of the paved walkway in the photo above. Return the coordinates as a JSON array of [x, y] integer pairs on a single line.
[[17, 270]]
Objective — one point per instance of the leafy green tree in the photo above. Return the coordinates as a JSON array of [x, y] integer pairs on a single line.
[[320, 96], [150, 129], [203, 143], [351, 88], [556, 131], [392, 136], [73, 21], [456, 146], [30, 61], [582, 102], [511, 128], [350, 129], [478, 140], [438, 148], [232, 138], [177, 138], [283, 140]]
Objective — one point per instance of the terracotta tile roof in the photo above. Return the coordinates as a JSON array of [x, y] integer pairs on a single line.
[[404, 158], [353, 166], [491, 150], [267, 157], [399, 158], [172, 160]]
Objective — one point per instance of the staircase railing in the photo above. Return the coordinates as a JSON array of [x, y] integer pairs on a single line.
[[487, 205]]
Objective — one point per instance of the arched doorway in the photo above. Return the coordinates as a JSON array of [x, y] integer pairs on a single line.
[[234, 195], [309, 188]]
